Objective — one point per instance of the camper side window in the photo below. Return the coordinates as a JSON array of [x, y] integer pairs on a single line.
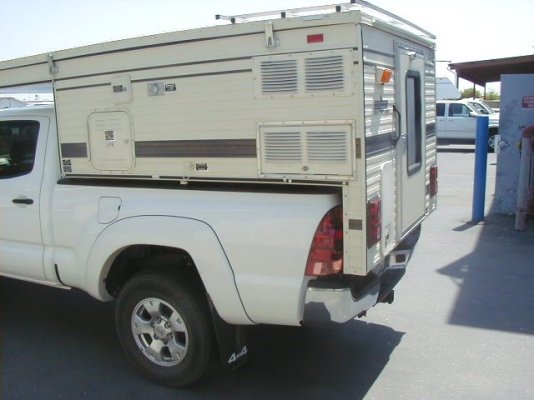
[[414, 131], [18, 140]]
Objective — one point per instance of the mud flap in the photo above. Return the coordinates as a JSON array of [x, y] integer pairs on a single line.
[[231, 339]]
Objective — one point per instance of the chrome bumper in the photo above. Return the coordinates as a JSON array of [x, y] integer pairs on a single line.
[[339, 302]]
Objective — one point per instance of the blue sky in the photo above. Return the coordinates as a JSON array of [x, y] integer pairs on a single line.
[[466, 30]]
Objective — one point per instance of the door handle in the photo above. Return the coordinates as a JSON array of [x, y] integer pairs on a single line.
[[23, 201], [397, 136]]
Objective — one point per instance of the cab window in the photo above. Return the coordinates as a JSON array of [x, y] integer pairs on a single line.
[[18, 141], [458, 110], [479, 108]]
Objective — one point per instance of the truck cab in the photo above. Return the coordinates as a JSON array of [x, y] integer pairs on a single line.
[[24, 151]]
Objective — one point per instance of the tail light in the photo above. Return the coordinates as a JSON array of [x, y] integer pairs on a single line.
[[433, 185], [374, 218], [326, 252]]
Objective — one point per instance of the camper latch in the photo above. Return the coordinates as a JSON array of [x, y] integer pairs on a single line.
[[396, 134], [52, 67], [270, 40]]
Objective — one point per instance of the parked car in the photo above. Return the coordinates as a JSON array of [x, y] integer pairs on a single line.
[[456, 121], [482, 107]]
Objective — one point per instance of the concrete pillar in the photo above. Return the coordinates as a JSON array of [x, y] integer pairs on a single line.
[[516, 113]]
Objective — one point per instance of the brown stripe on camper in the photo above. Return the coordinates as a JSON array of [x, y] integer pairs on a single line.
[[74, 150], [197, 148]]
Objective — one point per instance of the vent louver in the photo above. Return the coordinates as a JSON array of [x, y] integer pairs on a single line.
[[324, 73], [327, 146], [282, 147], [297, 75], [307, 149], [279, 76]]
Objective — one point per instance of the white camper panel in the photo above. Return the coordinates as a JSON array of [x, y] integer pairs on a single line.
[[398, 156], [430, 124], [380, 129], [208, 118]]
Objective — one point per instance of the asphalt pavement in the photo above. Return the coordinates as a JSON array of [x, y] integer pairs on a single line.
[[461, 327], [464, 307]]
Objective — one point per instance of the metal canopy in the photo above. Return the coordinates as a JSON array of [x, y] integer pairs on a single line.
[[482, 72]]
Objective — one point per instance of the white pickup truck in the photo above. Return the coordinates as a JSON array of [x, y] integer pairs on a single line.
[[456, 121], [168, 251], [266, 172]]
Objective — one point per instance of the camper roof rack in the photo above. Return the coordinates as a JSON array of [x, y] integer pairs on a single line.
[[368, 8]]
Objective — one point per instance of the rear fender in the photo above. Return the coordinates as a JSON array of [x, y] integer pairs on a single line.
[[193, 236]]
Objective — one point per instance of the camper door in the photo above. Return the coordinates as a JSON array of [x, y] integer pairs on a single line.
[[410, 101]]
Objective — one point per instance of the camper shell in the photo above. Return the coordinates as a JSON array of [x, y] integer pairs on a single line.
[[338, 97]]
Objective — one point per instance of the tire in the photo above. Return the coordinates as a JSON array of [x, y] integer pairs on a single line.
[[164, 327]]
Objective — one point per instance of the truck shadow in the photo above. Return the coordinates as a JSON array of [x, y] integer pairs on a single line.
[[64, 343], [495, 280], [309, 363]]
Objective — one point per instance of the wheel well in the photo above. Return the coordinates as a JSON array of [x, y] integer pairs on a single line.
[[493, 131], [134, 259]]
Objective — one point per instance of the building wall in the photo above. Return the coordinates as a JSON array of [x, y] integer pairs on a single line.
[[516, 113]]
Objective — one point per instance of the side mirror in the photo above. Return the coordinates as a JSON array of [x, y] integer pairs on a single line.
[[473, 114]]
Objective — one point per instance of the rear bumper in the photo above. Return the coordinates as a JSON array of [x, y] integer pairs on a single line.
[[336, 305], [328, 303], [340, 300]]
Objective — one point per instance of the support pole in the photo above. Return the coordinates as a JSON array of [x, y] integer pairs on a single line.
[[481, 162]]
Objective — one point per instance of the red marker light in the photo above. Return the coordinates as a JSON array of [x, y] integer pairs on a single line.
[[374, 221], [317, 38]]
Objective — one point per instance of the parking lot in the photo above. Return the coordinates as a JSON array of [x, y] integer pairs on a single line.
[[461, 327]]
